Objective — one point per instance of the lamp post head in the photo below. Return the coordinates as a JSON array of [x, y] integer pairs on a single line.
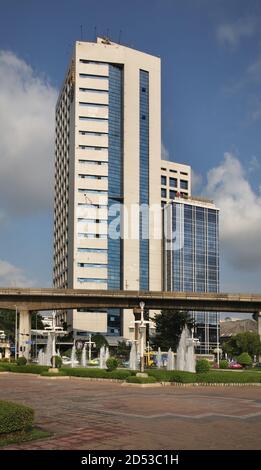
[[142, 305]]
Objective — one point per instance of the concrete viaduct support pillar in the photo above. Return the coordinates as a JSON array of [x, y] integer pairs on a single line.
[[24, 338], [259, 329]]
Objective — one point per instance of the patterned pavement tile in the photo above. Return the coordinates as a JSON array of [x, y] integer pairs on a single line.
[[99, 415]]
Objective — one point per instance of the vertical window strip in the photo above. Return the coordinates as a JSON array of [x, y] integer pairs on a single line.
[[144, 179]]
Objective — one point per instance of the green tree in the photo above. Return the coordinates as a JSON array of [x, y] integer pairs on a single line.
[[122, 350], [243, 342], [36, 321], [244, 359], [7, 322], [169, 325], [99, 341]]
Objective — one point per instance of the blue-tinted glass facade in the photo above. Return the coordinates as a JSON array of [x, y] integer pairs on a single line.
[[195, 254], [144, 179], [194, 261], [115, 185]]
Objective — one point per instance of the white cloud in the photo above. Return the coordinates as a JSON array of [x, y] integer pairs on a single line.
[[12, 276], [27, 104], [196, 182], [231, 33], [254, 70], [240, 216], [254, 164], [164, 152]]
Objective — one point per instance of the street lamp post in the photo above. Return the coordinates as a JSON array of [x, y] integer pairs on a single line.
[[36, 336], [142, 334], [15, 332], [90, 343], [53, 340]]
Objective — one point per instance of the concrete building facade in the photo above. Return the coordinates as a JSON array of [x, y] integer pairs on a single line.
[[108, 176], [107, 155]]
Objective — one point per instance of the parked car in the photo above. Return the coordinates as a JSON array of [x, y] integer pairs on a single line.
[[235, 365], [94, 362], [67, 361], [126, 363], [2, 334], [257, 365]]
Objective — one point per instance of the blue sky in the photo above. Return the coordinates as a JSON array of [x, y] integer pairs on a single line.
[[211, 115]]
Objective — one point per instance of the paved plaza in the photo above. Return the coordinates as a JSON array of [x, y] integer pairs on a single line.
[[83, 414]]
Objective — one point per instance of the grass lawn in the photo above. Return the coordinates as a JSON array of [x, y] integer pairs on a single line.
[[23, 436]]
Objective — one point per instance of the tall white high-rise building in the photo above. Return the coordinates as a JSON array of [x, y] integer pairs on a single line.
[[108, 146]]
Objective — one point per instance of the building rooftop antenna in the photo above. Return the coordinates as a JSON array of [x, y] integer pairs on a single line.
[[81, 32], [95, 33], [120, 36]]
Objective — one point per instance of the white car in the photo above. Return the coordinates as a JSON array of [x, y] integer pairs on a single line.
[[67, 361]]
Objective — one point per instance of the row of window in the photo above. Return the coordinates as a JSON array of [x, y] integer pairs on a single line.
[[173, 182], [172, 193], [93, 105], [93, 221], [92, 191], [92, 119], [175, 171], [92, 206], [92, 147], [91, 235], [95, 62], [92, 250], [93, 90], [91, 279], [93, 133], [92, 265], [92, 177], [90, 75], [92, 162]]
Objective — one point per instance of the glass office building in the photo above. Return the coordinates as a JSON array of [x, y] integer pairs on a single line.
[[191, 258]]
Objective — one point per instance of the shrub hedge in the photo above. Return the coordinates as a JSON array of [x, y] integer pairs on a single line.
[[244, 359], [28, 369], [172, 376], [21, 361], [97, 373], [45, 373], [202, 365], [213, 376], [229, 377], [78, 372], [140, 380], [223, 364], [112, 363], [119, 374], [14, 417], [57, 361]]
